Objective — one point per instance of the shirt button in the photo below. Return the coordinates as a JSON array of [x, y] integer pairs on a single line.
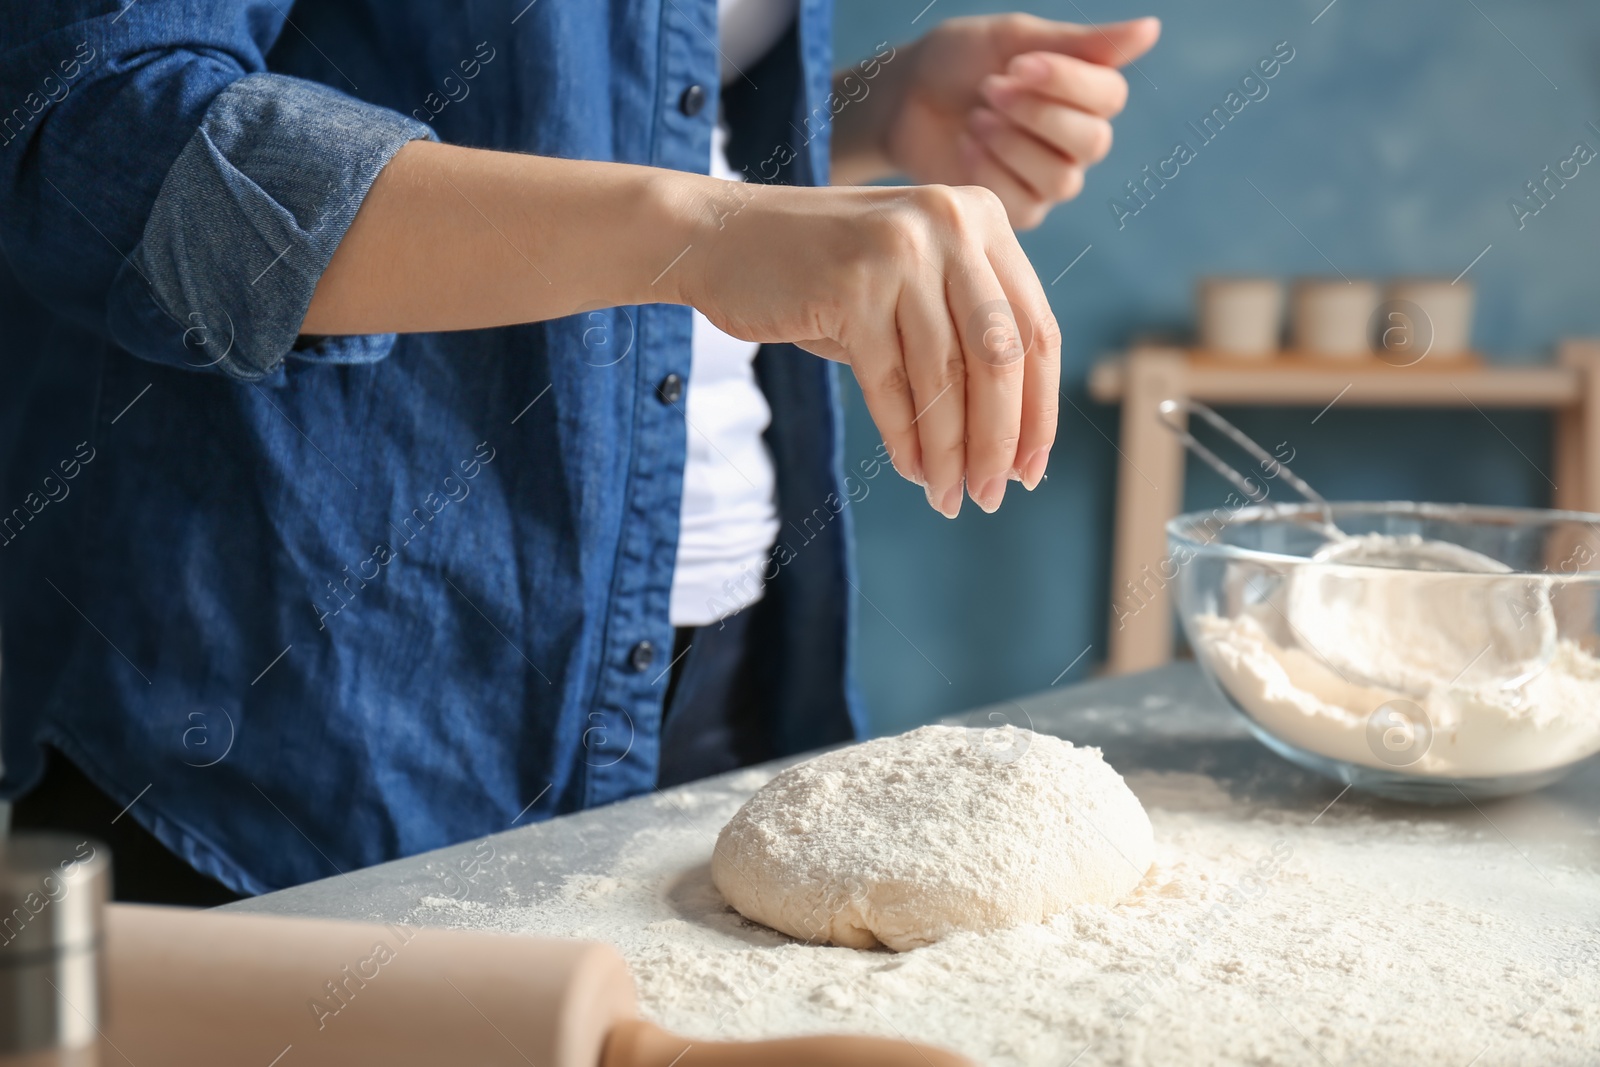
[[641, 656], [670, 391], [692, 100]]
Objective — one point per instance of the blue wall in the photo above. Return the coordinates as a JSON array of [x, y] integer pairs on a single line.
[[1394, 141]]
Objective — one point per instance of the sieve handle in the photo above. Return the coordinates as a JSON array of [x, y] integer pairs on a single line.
[[1253, 492]]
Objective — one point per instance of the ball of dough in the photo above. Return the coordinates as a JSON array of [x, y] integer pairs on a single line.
[[904, 840]]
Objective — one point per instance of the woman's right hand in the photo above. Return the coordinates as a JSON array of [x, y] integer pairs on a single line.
[[922, 290]]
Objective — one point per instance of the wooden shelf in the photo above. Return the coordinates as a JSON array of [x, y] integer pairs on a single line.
[[1294, 380], [1290, 360]]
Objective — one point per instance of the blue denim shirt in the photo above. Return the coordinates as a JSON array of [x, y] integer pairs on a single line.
[[308, 604]]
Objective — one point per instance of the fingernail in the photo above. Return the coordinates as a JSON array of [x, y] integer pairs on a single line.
[[952, 502], [911, 472], [948, 503], [1033, 473], [1030, 69], [992, 493]]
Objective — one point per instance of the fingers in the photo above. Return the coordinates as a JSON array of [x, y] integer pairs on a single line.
[[936, 370], [1024, 208], [1048, 120], [946, 373], [1062, 80], [993, 348], [1083, 137], [1042, 360], [880, 370], [1050, 175], [1113, 44]]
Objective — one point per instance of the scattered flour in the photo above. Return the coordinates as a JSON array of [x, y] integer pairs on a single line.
[[894, 841], [1475, 728], [1259, 937]]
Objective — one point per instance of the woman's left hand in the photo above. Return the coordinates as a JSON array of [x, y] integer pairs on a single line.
[[1019, 104]]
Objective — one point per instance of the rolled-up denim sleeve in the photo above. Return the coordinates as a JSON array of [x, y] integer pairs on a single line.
[[246, 221], [161, 188]]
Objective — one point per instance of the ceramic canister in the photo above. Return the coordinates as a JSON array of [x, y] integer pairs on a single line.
[[1333, 317], [1425, 318], [1240, 317]]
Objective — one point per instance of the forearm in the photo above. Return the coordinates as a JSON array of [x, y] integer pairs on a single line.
[[454, 238]]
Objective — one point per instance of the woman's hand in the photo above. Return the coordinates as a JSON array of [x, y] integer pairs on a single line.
[[925, 292], [1015, 103]]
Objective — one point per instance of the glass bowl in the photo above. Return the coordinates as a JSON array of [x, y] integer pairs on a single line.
[[1462, 675]]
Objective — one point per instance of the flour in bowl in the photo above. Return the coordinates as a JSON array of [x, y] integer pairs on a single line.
[[1411, 615], [1476, 727]]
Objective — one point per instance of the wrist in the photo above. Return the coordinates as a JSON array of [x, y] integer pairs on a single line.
[[672, 210]]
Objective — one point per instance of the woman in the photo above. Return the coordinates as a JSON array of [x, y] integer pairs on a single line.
[[368, 492]]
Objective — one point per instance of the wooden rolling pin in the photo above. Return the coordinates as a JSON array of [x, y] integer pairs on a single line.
[[201, 989]]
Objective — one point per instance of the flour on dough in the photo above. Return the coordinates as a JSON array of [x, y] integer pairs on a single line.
[[903, 840]]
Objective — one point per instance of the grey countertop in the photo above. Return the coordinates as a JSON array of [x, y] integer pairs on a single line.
[[1520, 876], [1169, 719]]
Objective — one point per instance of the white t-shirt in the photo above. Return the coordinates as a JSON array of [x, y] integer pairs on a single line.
[[729, 515]]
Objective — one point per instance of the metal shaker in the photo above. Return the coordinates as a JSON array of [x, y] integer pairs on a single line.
[[53, 892]]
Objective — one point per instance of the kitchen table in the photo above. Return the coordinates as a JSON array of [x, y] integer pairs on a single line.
[[1286, 920]]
